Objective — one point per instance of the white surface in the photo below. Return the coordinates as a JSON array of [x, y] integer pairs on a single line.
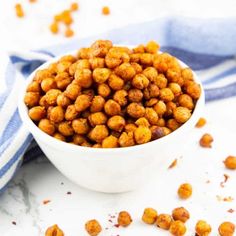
[[22, 202]]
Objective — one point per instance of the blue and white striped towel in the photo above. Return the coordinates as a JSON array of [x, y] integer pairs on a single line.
[[206, 45]]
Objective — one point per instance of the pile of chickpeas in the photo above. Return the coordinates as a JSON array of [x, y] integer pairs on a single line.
[[111, 96]]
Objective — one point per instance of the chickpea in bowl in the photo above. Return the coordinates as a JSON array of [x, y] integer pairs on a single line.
[[110, 102]]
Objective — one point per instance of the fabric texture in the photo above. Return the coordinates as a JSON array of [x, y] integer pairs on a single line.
[[206, 45]]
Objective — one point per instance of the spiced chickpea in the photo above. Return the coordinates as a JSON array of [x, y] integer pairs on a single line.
[[181, 214], [47, 84], [160, 108], [101, 75], [34, 86], [112, 108], [177, 228], [166, 130], [152, 91], [161, 122], [59, 137], [83, 77], [97, 145], [230, 162], [42, 74], [86, 144], [157, 132], [47, 126], [194, 90], [166, 95], [124, 219], [206, 141], [172, 124], [97, 62], [126, 139], [72, 91], [202, 228], [116, 123], [140, 81], [104, 90], [62, 80], [185, 191], [54, 230], [63, 100], [71, 113], [142, 122], [37, 113], [93, 227], [149, 216], [115, 82], [51, 96], [31, 99], [125, 71], [97, 104], [130, 127], [175, 88], [139, 49], [65, 128], [138, 68], [187, 74], [135, 110], [43, 102], [78, 139], [173, 75], [97, 118], [63, 66], [170, 107], [80, 126], [84, 53], [151, 102], [201, 122], [152, 47], [110, 142], [181, 114], [151, 73], [82, 102], [142, 135], [100, 48], [120, 97], [146, 59], [186, 101], [57, 114], [135, 58], [164, 221], [98, 133], [226, 229], [151, 116], [82, 64]]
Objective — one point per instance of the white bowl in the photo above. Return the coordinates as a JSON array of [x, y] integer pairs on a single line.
[[110, 170]]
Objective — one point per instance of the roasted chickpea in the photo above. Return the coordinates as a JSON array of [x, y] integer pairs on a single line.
[[194, 90], [51, 96], [142, 135], [206, 141], [31, 99], [135, 110], [54, 231], [100, 48], [56, 114], [46, 126], [101, 75], [170, 107], [125, 71], [162, 62], [181, 114], [86, 144], [151, 102], [116, 123], [142, 122], [42, 74], [97, 118], [149, 216], [160, 81], [37, 113], [161, 122], [68, 58], [97, 145], [110, 142], [98, 133], [71, 113], [146, 59], [186, 101], [151, 116], [63, 101], [84, 53], [62, 80], [126, 139], [72, 91], [63, 66], [152, 47], [115, 82], [104, 90], [157, 132], [131, 127], [78, 139], [202, 228], [151, 73], [140, 81], [80, 126], [97, 104], [177, 228], [166, 130], [230, 162], [166, 95], [226, 229], [164, 221], [187, 74], [83, 77], [82, 64], [185, 191], [174, 75], [172, 124], [65, 128], [120, 97], [175, 88], [34, 86], [82, 102], [139, 49], [59, 137], [43, 102], [93, 227], [47, 84], [201, 122], [135, 58], [112, 108], [124, 219], [160, 108], [97, 62], [181, 214], [138, 68]]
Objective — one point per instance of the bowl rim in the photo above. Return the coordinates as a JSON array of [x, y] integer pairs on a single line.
[[35, 131]]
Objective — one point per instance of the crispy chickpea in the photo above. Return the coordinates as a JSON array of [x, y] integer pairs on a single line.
[[151, 73], [139, 49], [104, 90], [206, 141], [152, 91], [84, 53], [97, 104], [170, 107], [86, 144], [162, 61], [47, 84], [181, 114], [83, 77], [43, 102], [177, 228], [72, 91], [202, 228], [160, 81], [166, 130], [185, 191], [42, 74], [97, 145], [181, 214], [37, 113], [146, 59], [78, 139], [82, 64], [97, 62], [201, 122], [80, 126], [63, 66], [135, 58], [115, 82], [51, 96], [116, 123], [31, 99], [187, 74], [186, 101], [62, 80], [124, 219], [140, 81], [34, 86], [130, 127], [46, 126], [175, 88], [151, 116], [142, 122], [71, 113], [110, 142], [120, 97], [164, 221], [98, 133], [65, 128], [230, 162], [100, 48], [173, 75], [135, 110], [68, 58], [56, 114], [59, 137], [138, 68], [93, 227], [166, 95], [142, 135], [161, 122], [226, 229], [160, 108], [152, 47], [194, 90], [149, 216], [125, 71], [97, 118], [112, 108], [82, 102], [126, 139], [157, 132], [151, 102], [172, 124], [63, 101], [101, 75], [54, 231]]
